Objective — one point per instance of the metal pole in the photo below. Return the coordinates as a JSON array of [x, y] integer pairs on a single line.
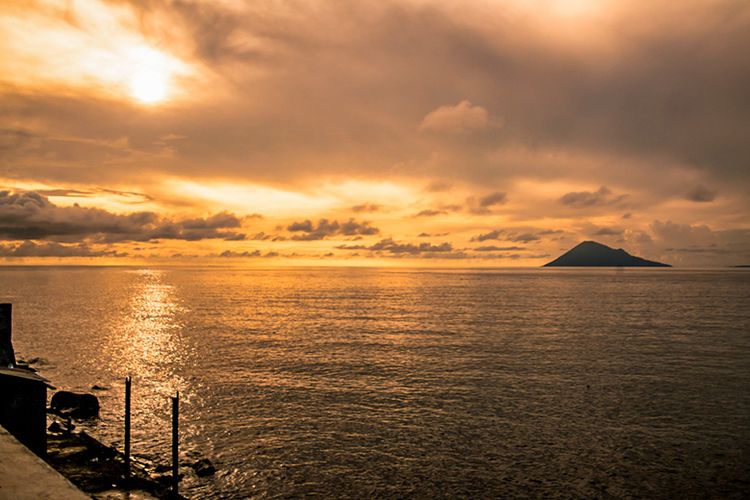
[[175, 441], [127, 428]]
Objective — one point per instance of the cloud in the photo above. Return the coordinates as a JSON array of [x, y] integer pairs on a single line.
[[126, 196], [586, 199], [438, 186], [54, 249], [701, 194], [492, 200], [493, 248], [492, 235], [326, 228], [607, 231], [485, 204], [388, 245], [366, 207], [31, 216], [246, 253], [699, 245], [430, 213], [294, 98], [461, 118], [676, 234], [516, 236], [524, 237]]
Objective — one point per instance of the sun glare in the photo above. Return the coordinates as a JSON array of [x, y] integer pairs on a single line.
[[149, 86]]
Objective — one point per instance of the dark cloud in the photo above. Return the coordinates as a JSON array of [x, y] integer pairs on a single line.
[[261, 236], [388, 245], [366, 207], [494, 248], [701, 194], [31, 216], [664, 92], [607, 231], [492, 200], [492, 235], [430, 213], [325, 228], [438, 186], [54, 249], [516, 236], [586, 199], [246, 253], [523, 237], [484, 204], [126, 196]]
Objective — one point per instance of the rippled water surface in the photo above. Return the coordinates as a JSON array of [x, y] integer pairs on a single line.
[[394, 383]]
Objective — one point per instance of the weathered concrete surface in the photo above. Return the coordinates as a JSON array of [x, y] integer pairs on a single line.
[[24, 476]]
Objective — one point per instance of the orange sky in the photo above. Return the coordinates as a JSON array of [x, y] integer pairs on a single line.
[[401, 132]]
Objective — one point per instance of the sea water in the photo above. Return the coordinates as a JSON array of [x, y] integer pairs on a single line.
[[347, 382]]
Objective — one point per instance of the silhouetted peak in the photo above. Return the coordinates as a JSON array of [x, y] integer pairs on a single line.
[[594, 254]]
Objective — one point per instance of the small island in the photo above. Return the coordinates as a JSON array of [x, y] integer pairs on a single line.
[[593, 254]]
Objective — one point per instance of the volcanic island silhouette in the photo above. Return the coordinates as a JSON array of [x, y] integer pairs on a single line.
[[593, 254]]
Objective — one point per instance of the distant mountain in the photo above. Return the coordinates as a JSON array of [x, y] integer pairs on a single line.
[[593, 254]]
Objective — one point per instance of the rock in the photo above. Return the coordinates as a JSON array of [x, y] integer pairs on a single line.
[[76, 405], [99, 388], [203, 468], [57, 428]]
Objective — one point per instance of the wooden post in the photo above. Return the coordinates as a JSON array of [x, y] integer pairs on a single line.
[[127, 428], [175, 441], [7, 356]]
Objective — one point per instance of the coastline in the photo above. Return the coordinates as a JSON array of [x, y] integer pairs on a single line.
[[95, 468]]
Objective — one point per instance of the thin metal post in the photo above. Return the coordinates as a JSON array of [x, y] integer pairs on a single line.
[[175, 441], [127, 428]]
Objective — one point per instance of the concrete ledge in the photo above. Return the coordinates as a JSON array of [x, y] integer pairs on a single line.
[[24, 476]]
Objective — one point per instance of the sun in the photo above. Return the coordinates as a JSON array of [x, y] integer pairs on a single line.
[[149, 86]]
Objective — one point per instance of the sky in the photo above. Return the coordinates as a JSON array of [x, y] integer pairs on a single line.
[[399, 132]]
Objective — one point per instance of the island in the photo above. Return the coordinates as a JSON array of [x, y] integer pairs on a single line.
[[593, 254]]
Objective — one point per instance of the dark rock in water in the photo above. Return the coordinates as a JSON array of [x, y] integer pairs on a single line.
[[57, 428], [203, 468], [76, 405], [99, 388], [167, 478], [593, 254], [161, 468]]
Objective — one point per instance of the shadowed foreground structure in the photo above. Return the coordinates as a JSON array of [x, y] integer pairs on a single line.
[[25, 476]]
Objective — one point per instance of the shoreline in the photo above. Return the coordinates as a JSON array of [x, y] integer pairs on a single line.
[[95, 468]]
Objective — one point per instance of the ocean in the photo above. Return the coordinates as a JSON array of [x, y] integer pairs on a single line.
[[364, 382]]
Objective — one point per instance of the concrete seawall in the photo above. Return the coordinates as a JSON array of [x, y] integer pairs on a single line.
[[24, 476]]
